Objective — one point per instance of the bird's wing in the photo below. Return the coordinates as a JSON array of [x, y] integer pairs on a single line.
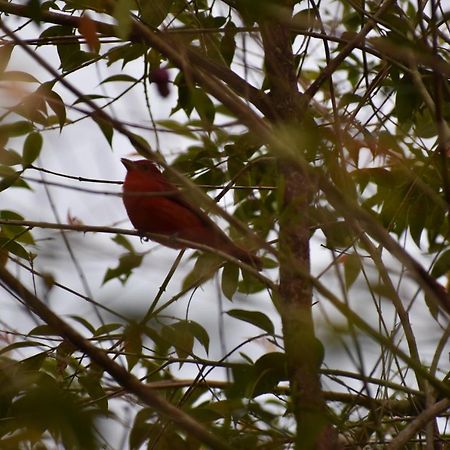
[[182, 200]]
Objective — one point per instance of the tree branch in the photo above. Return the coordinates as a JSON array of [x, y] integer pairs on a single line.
[[186, 56]]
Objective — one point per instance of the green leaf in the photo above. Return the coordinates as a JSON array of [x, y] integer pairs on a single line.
[[442, 265], [407, 100], [271, 368], [11, 178], [122, 13], [256, 318], [107, 329], [16, 128], [34, 9], [349, 98], [16, 75], [5, 55], [205, 268], [124, 269], [180, 337], [57, 105], [203, 105], [33, 106], [228, 43], [352, 268], [48, 405], [417, 217], [31, 148], [105, 127], [122, 241], [71, 56], [43, 330], [17, 232], [92, 384], [230, 280], [199, 333], [425, 124], [184, 96], [132, 341], [120, 77], [19, 345], [140, 431], [178, 128], [153, 13], [84, 322], [9, 157], [89, 97], [249, 284], [127, 53], [14, 248], [140, 144]]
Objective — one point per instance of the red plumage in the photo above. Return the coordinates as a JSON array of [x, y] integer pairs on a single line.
[[171, 214]]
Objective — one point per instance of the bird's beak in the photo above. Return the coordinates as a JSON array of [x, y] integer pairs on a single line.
[[127, 163]]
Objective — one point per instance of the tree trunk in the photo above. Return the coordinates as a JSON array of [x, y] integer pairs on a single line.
[[303, 350]]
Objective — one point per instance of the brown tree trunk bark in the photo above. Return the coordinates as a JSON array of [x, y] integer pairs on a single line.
[[303, 350]]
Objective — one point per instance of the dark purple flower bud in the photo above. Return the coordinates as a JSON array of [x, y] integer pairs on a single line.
[[161, 78]]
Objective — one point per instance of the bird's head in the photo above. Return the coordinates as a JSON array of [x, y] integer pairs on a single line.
[[142, 166]]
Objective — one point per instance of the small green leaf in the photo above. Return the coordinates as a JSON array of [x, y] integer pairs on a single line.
[[153, 13], [121, 240], [43, 330], [180, 337], [140, 144], [124, 269], [203, 105], [349, 98], [140, 431], [31, 148], [84, 322], [126, 53], [442, 265], [34, 9], [178, 128], [120, 77], [105, 127], [9, 157], [352, 268], [228, 43], [200, 334], [249, 284], [11, 179], [93, 387], [230, 280], [16, 128], [14, 248], [5, 55], [256, 318], [122, 13], [18, 345], [17, 232], [407, 100], [89, 97], [270, 369], [57, 105], [17, 75], [107, 329], [205, 267], [132, 340]]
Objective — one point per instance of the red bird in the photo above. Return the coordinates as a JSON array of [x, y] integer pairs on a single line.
[[171, 214]]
